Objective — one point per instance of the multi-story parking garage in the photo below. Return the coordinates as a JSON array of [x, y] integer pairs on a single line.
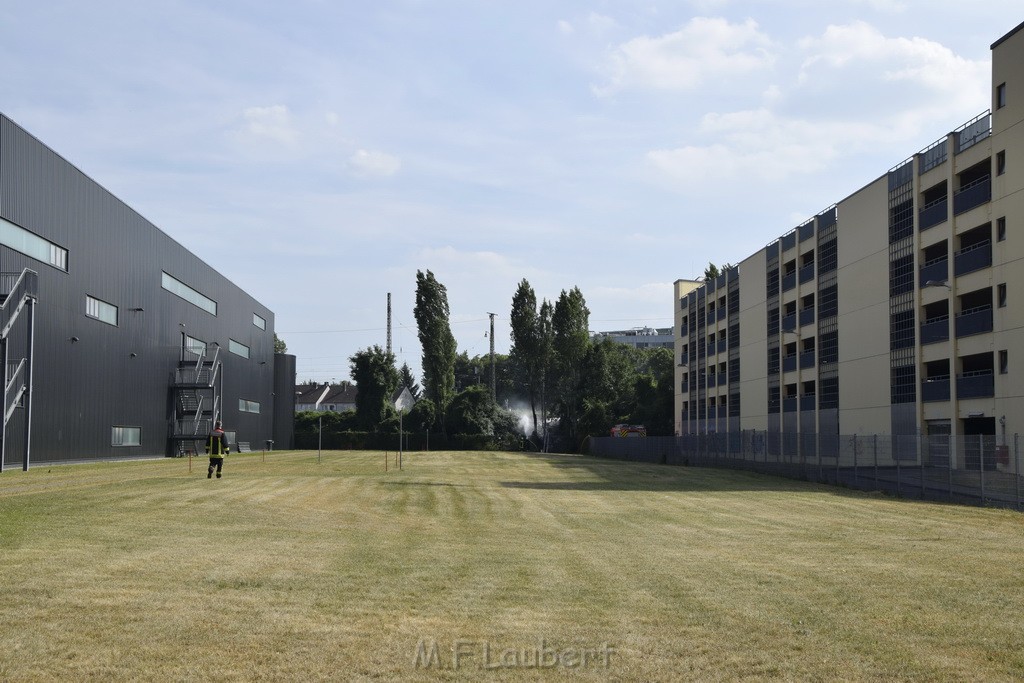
[[896, 311]]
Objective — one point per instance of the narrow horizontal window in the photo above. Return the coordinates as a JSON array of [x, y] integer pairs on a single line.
[[179, 288], [238, 349], [246, 406], [32, 245], [101, 310], [126, 436], [259, 322]]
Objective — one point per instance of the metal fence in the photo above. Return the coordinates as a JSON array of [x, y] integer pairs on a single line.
[[972, 470]]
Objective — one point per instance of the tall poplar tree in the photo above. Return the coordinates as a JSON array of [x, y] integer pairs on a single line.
[[570, 324], [526, 342], [545, 352], [438, 343]]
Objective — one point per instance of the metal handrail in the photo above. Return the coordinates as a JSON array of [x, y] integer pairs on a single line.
[[974, 183], [24, 288], [973, 247]]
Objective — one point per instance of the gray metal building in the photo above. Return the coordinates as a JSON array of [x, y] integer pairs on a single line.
[[118, 341]]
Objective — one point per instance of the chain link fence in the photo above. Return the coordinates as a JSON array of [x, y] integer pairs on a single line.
[[972, 470]]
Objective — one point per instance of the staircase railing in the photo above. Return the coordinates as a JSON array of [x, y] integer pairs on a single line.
[[19, 287], [16, 381]]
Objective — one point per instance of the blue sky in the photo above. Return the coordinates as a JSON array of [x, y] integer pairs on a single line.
[[318, 153]]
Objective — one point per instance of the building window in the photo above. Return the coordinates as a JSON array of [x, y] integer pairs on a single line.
[[1000, 163], [1000, 96], [1004, 362], [247, 406], [30, 244], [1001, 229], [179, 288], [101, 310], [238, 349], [195, 346], [1001, 293], [126, 436], [259, 322]]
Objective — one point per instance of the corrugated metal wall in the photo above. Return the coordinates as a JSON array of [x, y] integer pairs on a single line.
[[117, 375]]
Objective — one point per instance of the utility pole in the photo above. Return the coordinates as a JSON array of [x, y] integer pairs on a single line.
[[389, 323], [494, 392]]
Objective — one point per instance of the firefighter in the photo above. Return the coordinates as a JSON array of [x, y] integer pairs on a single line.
[[217, 448]]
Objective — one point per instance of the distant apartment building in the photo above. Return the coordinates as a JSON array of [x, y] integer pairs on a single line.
[[897, 311], [640, 337]]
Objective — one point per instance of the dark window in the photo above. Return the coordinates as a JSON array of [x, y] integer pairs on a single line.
[[1000, 163], [1000, 96], [1004, 362], [1000, 229], [901, 220], [773, 360], [828, 349], [828, 305], [901, 275], [1001, 292], [828, 257], [904, 384], [901, 330], [828, 396]]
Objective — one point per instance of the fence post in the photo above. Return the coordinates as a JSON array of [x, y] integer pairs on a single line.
[[894, 451], [1016, 469], [856, 484], [981, 464], [950, 454], [874, 447], [920, 456], [821, 477]]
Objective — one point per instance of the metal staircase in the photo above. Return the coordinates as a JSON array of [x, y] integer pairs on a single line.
[[19, 292], [196, 386]]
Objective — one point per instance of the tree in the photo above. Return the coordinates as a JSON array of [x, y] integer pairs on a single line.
[[373, 371], [438, 343], [570, 323], [408, 380], [526, 343], [713, 271], [545, 354], [279, 345]]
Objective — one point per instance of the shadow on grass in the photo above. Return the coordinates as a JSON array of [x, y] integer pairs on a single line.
[[622, 475]]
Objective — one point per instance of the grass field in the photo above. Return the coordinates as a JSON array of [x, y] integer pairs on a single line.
[[293, 570]]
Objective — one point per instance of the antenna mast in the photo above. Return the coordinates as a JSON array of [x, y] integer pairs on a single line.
[[389, 322]]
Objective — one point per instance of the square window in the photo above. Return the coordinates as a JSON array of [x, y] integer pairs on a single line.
[[1000, 229], [1000, 96], [1000, 163]]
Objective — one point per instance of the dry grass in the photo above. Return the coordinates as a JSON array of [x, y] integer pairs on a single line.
[[294, 570]]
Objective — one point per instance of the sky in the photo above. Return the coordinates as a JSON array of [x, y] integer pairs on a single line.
[[319, 153]]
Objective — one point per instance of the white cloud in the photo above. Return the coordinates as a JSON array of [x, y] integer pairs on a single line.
[[373, 163], [652, 295], [272, 123], [761, 144], [565, 27], [855, 91], [703, 49], [863, 54]]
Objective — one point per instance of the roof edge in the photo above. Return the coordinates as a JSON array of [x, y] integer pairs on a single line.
[[1007, 36]]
